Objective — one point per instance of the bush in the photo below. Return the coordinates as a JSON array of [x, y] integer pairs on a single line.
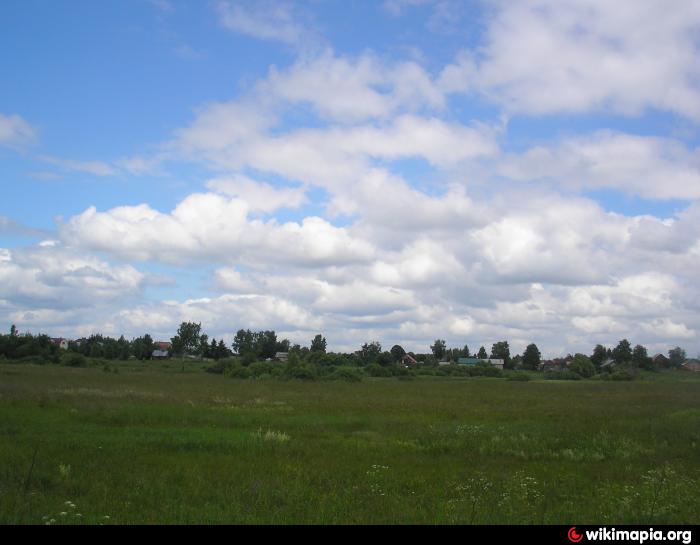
[[583, 366], [561, 375], [347, 373], [376, 370], [624, 374], [303, 372], [484, 370], [236, 370], [218, 368], [72, 359], [260, 368], [520, 377], [36, 360]]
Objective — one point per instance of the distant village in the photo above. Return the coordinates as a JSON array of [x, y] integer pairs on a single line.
[[190, 342]]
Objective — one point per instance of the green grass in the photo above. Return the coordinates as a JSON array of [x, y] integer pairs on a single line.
[[151, 444]]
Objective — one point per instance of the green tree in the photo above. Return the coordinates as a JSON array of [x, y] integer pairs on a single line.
[[221, 351], [13, 331], [369, 352], [243, 342], [622, 353], [582, 365], [265, 343], [282, 346], [600, 354], [397, 352], [676, 356], [464, 353], [641, 358], [501, 351], [318, 344], [188, 339], [439, 347], [532, 357], [482, 355]]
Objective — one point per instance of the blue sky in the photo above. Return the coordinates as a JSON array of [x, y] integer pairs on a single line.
[[397, 171]]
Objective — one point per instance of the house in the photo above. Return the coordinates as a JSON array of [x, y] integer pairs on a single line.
[[162, 345], [159, 354], [468, 361], [497, 362], [282, 356], [556, 364], [61, 342], [660, 360], [408, 359], [691, 365], [473, 361], [608, 363]]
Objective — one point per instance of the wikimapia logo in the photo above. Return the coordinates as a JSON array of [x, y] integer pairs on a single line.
[[637, 536]]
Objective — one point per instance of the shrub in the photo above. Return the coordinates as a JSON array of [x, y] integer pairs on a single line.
[[582, 365], [521, 377], [376, 370], [347, 373], [218, 368], [236, 370], [561, 375], [72, 359], [260, 368], [624, 374], [484, 370]]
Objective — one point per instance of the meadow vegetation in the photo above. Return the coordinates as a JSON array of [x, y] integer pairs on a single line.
[[167, 442]]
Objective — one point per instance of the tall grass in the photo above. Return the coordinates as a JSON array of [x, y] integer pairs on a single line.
[[151, 444]]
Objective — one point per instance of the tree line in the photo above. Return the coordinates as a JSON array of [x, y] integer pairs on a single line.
[[252, 346]]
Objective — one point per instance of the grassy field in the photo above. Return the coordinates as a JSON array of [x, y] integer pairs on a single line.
[[152, 444]]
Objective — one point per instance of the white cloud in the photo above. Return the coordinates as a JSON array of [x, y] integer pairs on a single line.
[[352, 89], [650, 167], [51, 275], [15, 132], [98, 168], [215, 228], [549, 56], [259, 196], [266, 20]]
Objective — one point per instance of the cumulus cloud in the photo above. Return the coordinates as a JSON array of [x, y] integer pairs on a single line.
[[258, 195], [49, 275], [549, 56], [212, 227], [351, 89], [650, 167], [481, 245]]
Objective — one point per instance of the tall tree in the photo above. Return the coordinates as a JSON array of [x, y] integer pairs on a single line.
[[369, 352], [243, 342], [482, 355], [622, 353], [532, 357], [318, 344], [439, 347], [600, 354], [676, 356], [397, 352], [501, 351], [13, 331], [640, 357], [188, 339]]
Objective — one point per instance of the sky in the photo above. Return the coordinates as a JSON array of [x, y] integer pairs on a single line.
[[395, 171]]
